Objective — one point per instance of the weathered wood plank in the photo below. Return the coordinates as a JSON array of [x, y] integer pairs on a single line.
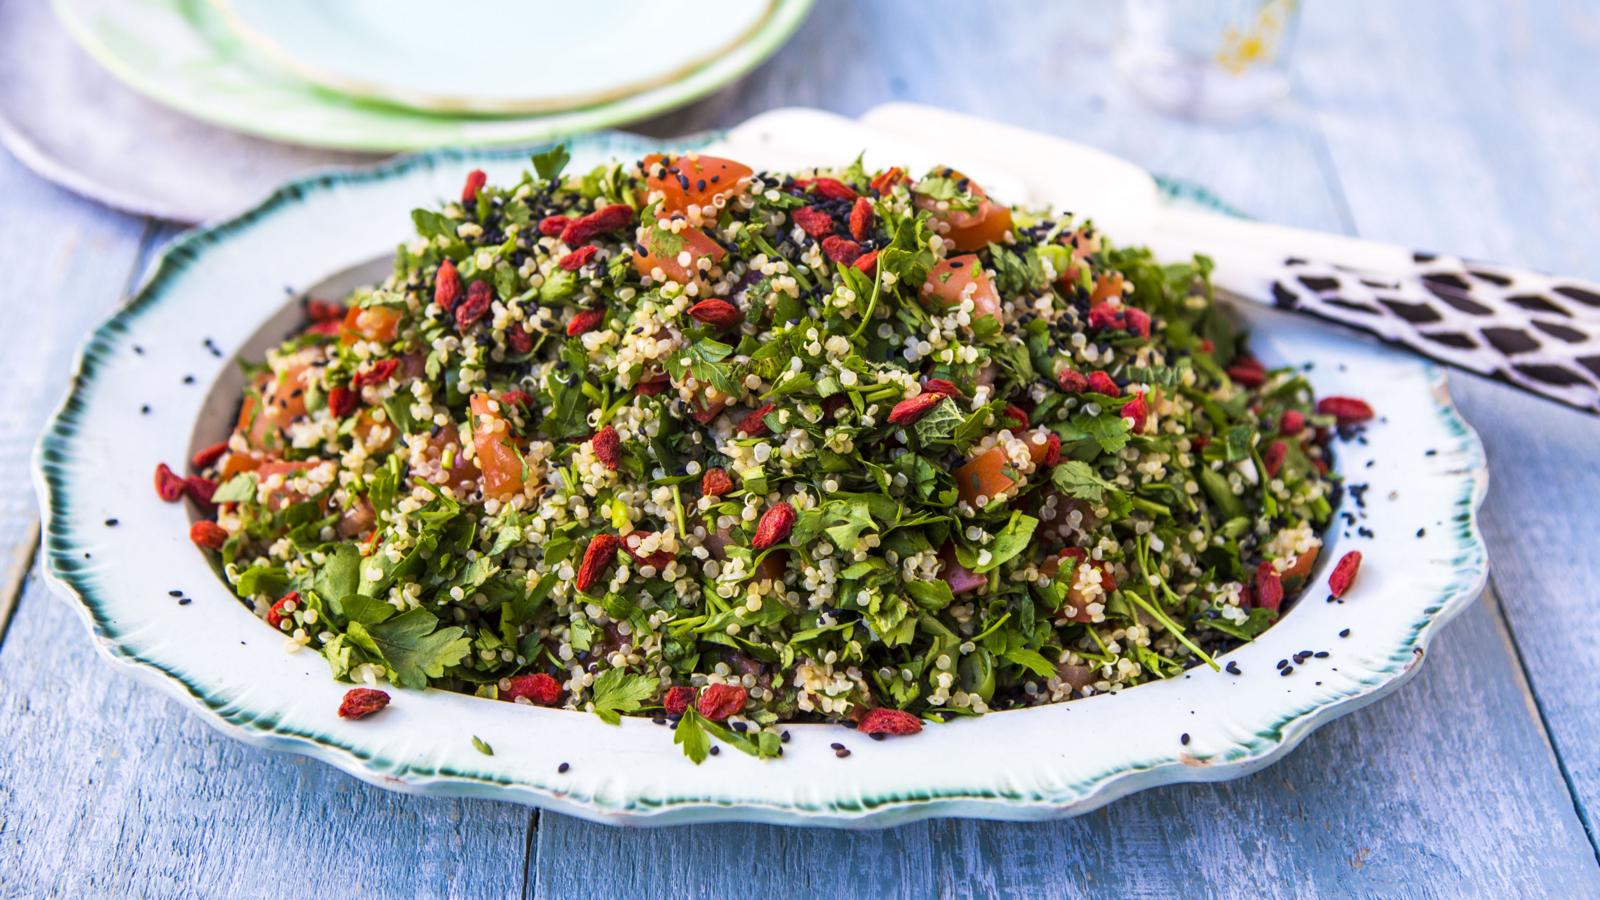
[[65, 261], [1493, 155], [108, 788]]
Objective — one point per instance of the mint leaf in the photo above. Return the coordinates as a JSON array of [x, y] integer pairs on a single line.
[[1076, 479], [692, 736], [1012, 540], [241, 488], [413, 649], [482, 746], [550, 163], [617, 692]]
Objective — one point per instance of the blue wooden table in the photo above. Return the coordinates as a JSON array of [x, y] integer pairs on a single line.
[[1472, 128]]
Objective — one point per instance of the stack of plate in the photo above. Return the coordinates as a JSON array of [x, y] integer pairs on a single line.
[[379, 76]]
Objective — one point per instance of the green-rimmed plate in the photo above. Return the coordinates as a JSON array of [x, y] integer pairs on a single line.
[[181, 53], [224, 286]]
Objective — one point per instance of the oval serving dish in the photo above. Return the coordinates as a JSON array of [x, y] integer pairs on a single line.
[[227, 292]]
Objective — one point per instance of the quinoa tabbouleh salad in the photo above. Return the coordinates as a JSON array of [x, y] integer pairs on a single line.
[[680, 439]]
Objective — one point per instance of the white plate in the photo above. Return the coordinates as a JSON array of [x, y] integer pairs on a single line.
[[94, 464], [492, 56], [181, 53]]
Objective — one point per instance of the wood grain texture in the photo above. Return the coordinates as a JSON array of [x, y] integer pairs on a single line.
[[1506, 170], [1448, 787]]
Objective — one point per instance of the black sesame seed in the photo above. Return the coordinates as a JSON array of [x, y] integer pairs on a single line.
[[1422, 532], [111, 523], [174, 593], [1345, 633], [138, 349], [563, 768], [183, 601], [1282, 663], [841, 752], [145, 409], [1286, 670], [1321, 654], [188, 379], [1184, 739], [836, 745], [878, 737], [716, 751], [784, 737], [1232, 667]]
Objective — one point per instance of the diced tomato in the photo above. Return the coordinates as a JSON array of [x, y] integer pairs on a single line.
[[1076, 598], [1302, 565], [1106, 287], [236, 463], [686, 181], [948, 279], [280, 497], [378, 323], [357, 520], [498, 459], [970, 229], [695, 243], [284, 400], [985, 475], [461, 475]]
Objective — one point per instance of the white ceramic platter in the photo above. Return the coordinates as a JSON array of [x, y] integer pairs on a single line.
[[491, 56], [227, 284], [182, 54]]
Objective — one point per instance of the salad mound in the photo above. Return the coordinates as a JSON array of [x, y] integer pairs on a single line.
[[674, 437]]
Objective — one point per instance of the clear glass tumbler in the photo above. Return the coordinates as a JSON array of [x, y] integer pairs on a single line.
[[1209, 59]]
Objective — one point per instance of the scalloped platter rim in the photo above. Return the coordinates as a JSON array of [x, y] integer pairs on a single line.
[[94, 460]]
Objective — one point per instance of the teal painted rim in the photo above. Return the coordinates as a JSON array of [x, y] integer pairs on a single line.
[[64, 539], [398, 128]]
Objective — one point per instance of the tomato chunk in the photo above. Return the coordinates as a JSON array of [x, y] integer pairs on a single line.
[[948, 280], [985, 475], [498, 458], [665, 253], [378, 323], [971, 229], [692, 180]]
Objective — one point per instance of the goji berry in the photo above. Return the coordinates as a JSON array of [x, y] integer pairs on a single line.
[[754, 424], [377, 373], [1344, 573], [1347, 410], [1291, 422], [551, 226], [324, 310], [1268, 586], [540, 688], [479, 296], [941, 386], [597, 557], [813, 221], [1052, 450], [585, 321], [1138, 321], [579, 258], [884, 720], [650, 387], [1072, 381], [719, 701], [447, 286], [1016, 414], [283, 610], [200, 490], [607, 446], [911, 409], [1248, 371], [715, 483], [169, 486], [1105, 317], [602, 221], [208, 534], [341, 401], [774, 527], [476, 179], [358, 703], [830, 188], [204, 457], [840, 250], [1101, 383], [1273, 458], [677, 699], [718, 314], [861, 218], [1137, 410], [519, 338], [517, 397], [866, 263]]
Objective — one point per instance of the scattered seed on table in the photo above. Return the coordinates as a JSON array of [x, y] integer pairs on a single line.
[[184, 601], [563, 768], [174, 593], [111, 523], [1184, 739], [1345, 633], [1233, 667], [188, 379], [716, 751], [842, 752], [1286, 670]]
